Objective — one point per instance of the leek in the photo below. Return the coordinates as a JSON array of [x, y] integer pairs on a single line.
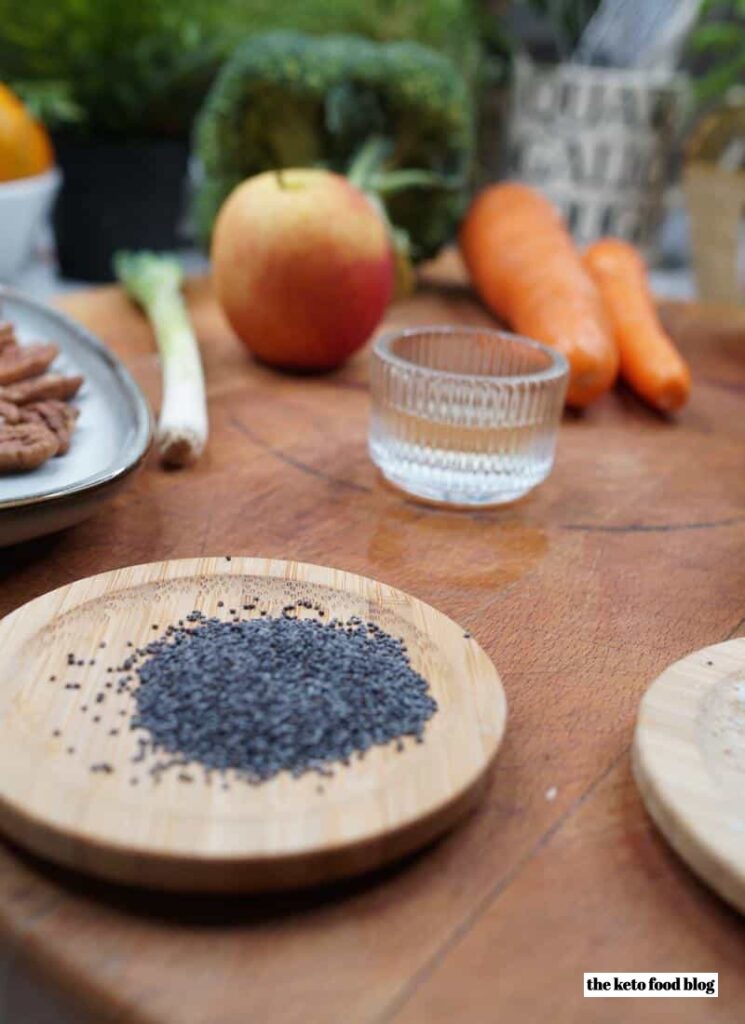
[[154, 282]]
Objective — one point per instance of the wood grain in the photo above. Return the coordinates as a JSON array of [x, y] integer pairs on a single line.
[[213, 834], [689, 762], [626, 559]]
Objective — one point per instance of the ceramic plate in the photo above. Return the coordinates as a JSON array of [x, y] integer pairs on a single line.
[[112, 436]]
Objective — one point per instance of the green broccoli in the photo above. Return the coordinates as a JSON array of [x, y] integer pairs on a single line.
[[396, 117]]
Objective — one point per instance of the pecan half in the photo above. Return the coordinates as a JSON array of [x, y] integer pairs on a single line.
[[18, 362], [59, 417], [25, 446], [36, 389], [7, 334], [9, 413]]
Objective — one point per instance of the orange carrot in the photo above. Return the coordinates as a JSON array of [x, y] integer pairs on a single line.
[[650, 363], [527, 270]]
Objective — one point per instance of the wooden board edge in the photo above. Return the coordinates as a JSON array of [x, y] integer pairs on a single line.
[[241, 875]]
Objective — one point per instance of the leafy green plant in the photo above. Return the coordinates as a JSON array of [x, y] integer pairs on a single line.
[[125, 67], [142, 67], [720, 37], [50, 102]]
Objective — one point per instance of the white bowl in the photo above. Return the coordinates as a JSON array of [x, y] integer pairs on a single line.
[[24, 204]]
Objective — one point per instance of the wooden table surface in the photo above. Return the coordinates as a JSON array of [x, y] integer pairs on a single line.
[[629, 556]]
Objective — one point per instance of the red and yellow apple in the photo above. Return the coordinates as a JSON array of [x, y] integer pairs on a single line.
[[303, 267]]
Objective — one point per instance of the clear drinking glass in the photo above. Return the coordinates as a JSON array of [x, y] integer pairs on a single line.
[[465, 416]]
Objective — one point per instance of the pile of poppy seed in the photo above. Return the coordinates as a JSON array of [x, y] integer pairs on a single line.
[[261, 695], [266, 695]]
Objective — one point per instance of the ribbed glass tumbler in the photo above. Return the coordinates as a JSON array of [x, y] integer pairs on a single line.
[[465, 416]]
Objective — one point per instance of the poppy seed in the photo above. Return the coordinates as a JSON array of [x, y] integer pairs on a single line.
[[267, 695]]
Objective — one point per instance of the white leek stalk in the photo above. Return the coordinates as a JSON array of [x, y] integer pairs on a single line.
[[154, 282]]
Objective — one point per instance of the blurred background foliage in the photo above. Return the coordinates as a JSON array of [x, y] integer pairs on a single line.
[[561, 23], [143, 66], [717, 49]]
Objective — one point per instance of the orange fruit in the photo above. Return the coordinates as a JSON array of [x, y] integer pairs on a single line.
[[25, 146]]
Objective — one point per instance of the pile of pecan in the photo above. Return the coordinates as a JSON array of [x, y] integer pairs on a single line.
[[36, 419]]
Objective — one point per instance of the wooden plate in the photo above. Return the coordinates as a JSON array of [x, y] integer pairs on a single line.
[[199, 835], [689, 763]]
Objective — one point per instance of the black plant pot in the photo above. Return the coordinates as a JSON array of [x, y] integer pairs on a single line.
[[116, 195]]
